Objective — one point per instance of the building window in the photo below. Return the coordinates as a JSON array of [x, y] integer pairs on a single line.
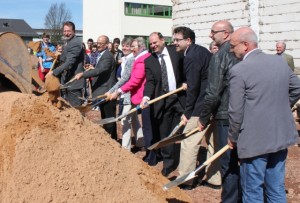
[[148, 10]]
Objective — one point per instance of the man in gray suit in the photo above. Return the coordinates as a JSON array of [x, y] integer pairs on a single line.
[[104, 78], [262, 90], [70, 63], [280, 49]]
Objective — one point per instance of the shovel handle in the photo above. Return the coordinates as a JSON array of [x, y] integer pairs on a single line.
[[53, 64], [165, 95], [216, 155], [73, 79], [192, 132]]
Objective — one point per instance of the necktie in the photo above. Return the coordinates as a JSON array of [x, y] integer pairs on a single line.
[[164, 74]]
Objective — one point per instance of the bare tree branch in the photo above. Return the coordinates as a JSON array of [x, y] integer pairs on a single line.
[[54, 20]]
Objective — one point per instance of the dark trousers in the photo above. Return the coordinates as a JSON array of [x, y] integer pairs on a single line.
[[108, 110], [170, 118], [231, 191], [72, 96], [150, 157]]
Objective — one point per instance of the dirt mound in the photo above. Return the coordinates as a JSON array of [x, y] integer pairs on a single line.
[[51, 155]]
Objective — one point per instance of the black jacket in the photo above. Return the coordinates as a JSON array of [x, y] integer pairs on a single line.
[[153, 86], [216, 94], [196, 62]]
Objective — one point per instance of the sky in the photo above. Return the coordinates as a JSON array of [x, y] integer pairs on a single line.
[[34, 11]]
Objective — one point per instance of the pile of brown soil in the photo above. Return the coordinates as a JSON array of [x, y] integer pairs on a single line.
[[52, 155]]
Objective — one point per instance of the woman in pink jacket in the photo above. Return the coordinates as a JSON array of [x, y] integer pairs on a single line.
[[136, 87]]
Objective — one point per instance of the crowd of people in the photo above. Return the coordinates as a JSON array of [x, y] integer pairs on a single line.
[[234, 94]]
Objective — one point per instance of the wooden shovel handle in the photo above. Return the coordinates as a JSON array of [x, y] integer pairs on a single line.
[[165, 95], [216, 155], [192, 132]]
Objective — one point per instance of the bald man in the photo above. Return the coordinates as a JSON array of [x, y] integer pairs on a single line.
[[216, 104], [280, 49], [262, 89]]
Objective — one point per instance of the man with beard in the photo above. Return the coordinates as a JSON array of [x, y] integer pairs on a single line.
[[71, 63]]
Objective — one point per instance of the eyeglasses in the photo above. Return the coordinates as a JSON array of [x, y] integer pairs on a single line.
[[233, 46], [178, 40], [216, 31]]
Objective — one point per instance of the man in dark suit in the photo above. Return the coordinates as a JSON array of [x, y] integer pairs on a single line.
[[196, 62], [71, 61], [166, 113], [262, 89], [103, 79]]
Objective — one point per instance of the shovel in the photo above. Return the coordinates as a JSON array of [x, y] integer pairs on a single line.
[[113, 119], [192, 174], [93, 99], [67, 85], [90, 106], [172, 139]]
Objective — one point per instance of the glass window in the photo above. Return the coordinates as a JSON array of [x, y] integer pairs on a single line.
[[148, 10]]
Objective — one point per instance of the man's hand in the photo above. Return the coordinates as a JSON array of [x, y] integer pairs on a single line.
[[184, 85], [114, 95], [78, 76], [144, 103], [108, 95], [49, 73], [231, 144], [200, 126], [184, 120]]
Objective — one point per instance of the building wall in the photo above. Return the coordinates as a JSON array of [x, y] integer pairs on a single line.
[[271, 20], [108, 18]]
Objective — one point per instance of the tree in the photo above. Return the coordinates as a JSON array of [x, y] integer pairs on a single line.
[[54, 19]]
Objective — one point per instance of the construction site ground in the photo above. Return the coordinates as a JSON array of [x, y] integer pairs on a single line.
[[52, 155]]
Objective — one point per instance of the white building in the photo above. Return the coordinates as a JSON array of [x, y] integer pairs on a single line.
[[271, 20], [120, 18]]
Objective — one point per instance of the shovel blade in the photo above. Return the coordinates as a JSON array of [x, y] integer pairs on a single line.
[[179, 181], [167, 141], [107, 120]]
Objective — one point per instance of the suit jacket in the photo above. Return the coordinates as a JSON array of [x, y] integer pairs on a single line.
[[196, 62], [104, 74], [153, 86], [71, 63], [262, 90], [137, 80], [290, 60]]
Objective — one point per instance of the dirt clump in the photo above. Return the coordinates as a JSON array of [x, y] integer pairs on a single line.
[[53, 155]]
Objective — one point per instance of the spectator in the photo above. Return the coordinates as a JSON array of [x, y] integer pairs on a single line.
[[213, 48], [89, 43], [118, 52], [280, 49], [45, 62]]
